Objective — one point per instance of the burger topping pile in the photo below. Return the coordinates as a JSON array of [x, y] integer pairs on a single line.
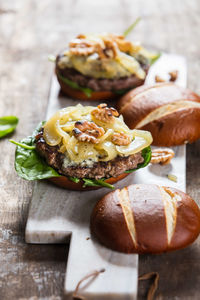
[[85, 133], [105, 56]]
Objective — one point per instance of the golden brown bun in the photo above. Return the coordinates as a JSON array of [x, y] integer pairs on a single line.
[[170, 126], [66, 183], [76, 94], [142, 219]]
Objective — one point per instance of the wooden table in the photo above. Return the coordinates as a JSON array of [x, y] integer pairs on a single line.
[[30, 30]]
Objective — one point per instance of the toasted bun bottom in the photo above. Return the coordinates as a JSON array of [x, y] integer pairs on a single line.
[[66, 183], [76, 94]]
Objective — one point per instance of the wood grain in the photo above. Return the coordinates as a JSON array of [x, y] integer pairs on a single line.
[[30, 30]]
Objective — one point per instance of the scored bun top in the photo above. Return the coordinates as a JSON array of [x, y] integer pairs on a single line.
[[171, 113], [144, 218], [87, 134]]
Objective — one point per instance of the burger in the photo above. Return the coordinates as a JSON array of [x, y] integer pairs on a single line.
[[83, 147], [102, 66]]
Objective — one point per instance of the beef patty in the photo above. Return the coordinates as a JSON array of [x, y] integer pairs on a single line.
[[101, 84], [98, 170]]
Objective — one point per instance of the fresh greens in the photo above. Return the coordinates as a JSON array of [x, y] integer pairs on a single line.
[[131, 27], [74, 179], [146, 154], [28, 164], [155, 58], [7, 125], [22, 145], [97, 182], [88, 92]]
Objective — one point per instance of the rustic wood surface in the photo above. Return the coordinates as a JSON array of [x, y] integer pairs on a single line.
[[29, 31]]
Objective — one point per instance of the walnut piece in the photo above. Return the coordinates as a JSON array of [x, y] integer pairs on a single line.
[[173, 75], [104, 113], [80, 46], [162, 156], [121, 139], [107, 47], [159, 79], [86, 131]]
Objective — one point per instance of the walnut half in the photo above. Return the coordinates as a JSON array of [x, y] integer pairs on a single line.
[[121, 139], [86, 131], [105, 114]]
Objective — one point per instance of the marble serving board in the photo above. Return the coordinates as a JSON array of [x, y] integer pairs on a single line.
[[60, 216]]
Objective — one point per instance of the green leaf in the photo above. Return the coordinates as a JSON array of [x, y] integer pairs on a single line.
[[105, 184], [155, 58], [88, 92], [95, 182], [146, 154], [7, 125], [22, 145], [74, 179], [28, 164], [131, 27]]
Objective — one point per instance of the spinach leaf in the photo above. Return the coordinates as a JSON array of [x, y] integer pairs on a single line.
[[131, 27], [88, 92], [22, 145], [7, 125], [146, 154], [28, 164], [74, 179], [155, 58], [97, 182]]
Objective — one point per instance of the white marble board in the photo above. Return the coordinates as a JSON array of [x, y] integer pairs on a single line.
[[58, 216]]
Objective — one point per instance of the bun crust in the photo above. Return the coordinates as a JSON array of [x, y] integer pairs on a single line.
[[146, 219], [177, 128], [66, 183], [169, 112]]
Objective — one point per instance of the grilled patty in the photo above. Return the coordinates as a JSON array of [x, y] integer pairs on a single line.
[[100, 84], [98, 170]]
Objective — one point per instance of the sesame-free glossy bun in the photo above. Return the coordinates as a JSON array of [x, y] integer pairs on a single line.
[[171, 113], [144, 218]]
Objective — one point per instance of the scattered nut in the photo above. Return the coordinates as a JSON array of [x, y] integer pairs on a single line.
[[86, 131], [162, 156], [121, 139], [173, 75], [159, 79], [104, 113]]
